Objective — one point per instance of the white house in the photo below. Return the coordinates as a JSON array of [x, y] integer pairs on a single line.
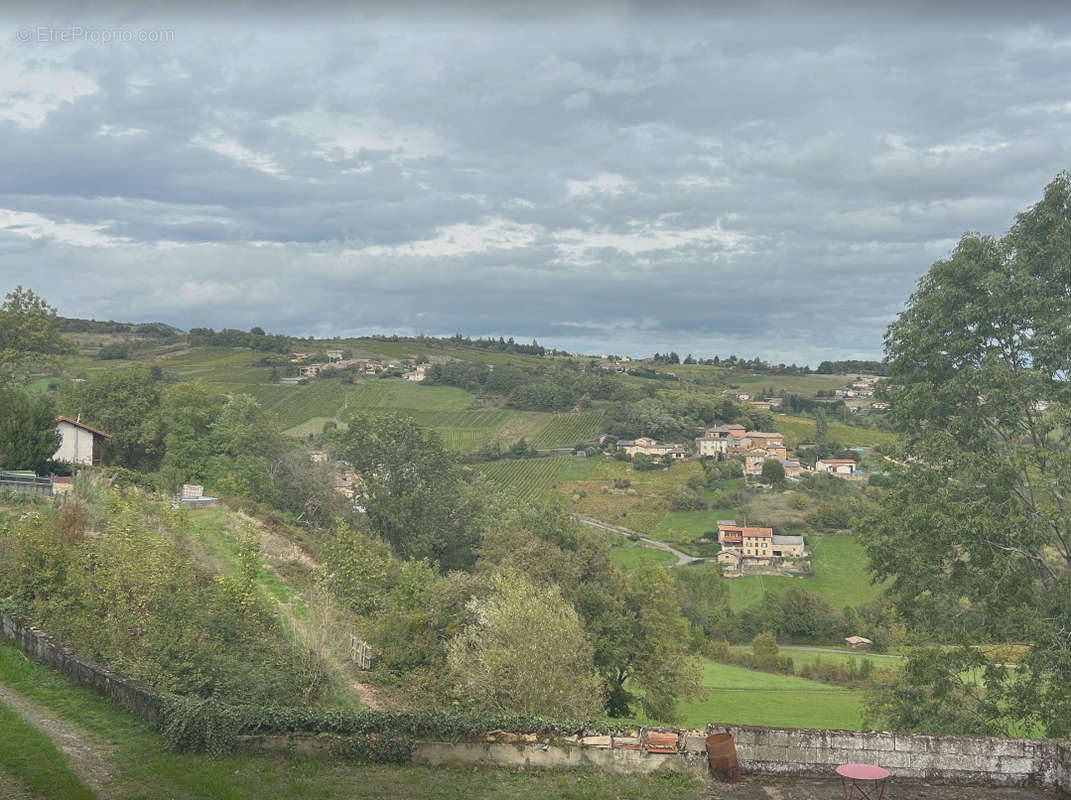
[[835, 466], [79, 443]]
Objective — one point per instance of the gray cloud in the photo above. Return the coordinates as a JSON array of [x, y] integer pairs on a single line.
[[759, 182]]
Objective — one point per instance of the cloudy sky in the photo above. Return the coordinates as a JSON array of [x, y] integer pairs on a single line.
[[604, 178]]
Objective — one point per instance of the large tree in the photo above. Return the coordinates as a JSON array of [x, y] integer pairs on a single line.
[[28, 437], [126, 404], [525, 651], [412, 489], [30, 335], [976, 531]]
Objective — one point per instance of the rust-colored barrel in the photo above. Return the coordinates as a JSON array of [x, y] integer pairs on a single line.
[[721, 755]]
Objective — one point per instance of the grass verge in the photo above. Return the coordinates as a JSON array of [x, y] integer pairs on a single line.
[[28, 755]]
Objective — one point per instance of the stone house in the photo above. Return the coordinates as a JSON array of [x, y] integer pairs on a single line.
[[649, 447], [714, 442]]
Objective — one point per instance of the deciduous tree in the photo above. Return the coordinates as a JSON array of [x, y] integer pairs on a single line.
[[525, 652], [30, 335], [976, 531]]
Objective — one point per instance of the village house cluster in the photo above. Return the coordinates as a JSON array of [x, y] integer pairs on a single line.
[[751, 447], [336, 359], [858, 394]]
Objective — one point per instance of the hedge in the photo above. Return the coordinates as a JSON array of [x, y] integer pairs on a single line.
[[212, 727]]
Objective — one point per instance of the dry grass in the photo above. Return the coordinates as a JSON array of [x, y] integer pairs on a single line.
[[640, 511]]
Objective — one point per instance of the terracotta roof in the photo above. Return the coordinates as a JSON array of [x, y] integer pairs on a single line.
[[745, 531], [83, 426], [836, 461]]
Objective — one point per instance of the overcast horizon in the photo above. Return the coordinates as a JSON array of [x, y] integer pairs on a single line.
[[600, 178]]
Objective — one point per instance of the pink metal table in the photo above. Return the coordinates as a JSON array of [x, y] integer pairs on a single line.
[[866, 779]]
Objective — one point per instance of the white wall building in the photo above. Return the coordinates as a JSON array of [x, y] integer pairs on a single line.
[[79, 443]]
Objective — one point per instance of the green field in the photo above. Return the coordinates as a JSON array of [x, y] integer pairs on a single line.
[[641, 510], [684, 526], [802, 429], [800, 656], [527, 477], [567, 430], [804, 385], [747, 697], [840, 576], [630, 556]]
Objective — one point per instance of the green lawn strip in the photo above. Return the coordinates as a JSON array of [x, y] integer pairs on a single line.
[[213, 529], [29, 755], [149, 770], [748, 697], [579, 468], [800, 656]]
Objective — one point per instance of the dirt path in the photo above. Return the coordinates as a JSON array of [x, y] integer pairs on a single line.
[[682, 558], [87, 759]]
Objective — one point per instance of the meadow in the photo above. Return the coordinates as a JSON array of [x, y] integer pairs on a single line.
[[747, 697], [840, 576], [802, 430], [642, 505], [628, 556]]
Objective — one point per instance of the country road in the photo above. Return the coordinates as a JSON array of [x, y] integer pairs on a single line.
[[682, 558]]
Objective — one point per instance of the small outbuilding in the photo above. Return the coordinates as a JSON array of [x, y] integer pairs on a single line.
[[79, 443], [857, 641]]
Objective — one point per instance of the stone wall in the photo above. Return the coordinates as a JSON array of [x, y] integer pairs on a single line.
[[132, 696], [948, 759], [1059, 774]]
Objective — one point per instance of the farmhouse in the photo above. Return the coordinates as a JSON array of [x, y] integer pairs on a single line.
[[772, 443], [416, 375], [748, 541], [744, 547], [649, 447], [310, 370], [835, 466], [79, 443], [714, 441]]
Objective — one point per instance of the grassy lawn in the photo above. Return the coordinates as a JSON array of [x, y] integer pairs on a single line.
[[747, 697], [29, 756], [684, 526], [630, 556], [148, 770], [840, 576]]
